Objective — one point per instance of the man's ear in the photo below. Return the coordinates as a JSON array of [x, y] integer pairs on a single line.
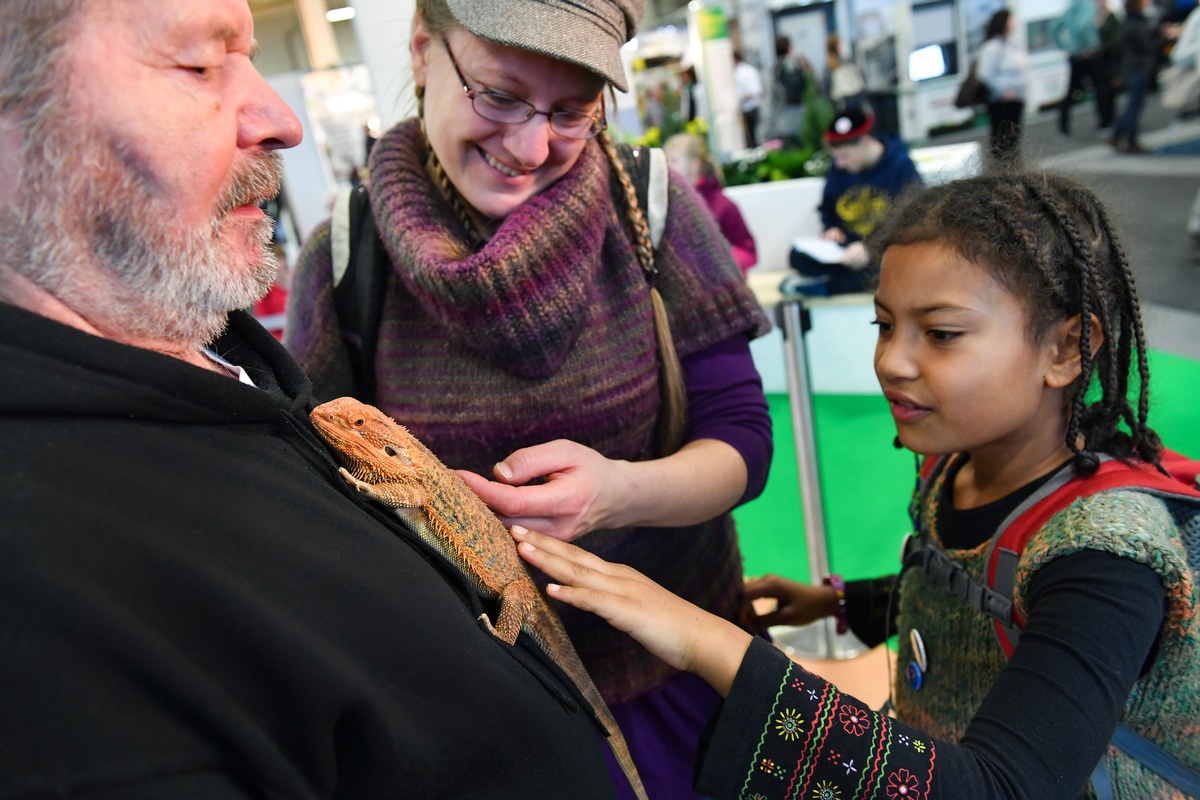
[[1063, 349], [419, 44]]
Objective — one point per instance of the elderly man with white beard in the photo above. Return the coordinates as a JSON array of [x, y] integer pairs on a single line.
[[192, 602]]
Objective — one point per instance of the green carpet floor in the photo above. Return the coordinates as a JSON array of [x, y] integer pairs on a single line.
[[866, 483]]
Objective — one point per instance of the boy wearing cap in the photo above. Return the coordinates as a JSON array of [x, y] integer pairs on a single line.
[[866, 175]]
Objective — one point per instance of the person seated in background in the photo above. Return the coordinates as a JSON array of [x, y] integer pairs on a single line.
[[865, 177], [688, 155]]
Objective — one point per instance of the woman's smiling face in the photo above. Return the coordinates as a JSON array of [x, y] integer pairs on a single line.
[[497, 167]]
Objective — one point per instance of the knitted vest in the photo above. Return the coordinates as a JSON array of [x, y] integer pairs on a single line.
[[546, 332], [965, 658]]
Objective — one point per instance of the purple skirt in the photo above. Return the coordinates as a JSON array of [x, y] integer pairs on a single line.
[[663, 727]]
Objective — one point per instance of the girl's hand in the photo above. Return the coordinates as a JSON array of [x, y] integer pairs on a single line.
[[797, 603], [683, 635], [574, 499], [834, 235]]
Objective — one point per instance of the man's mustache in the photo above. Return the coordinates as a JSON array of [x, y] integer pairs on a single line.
[[254, 183]]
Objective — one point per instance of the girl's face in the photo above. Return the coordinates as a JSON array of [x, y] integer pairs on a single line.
[[957, 364], [497, 167]]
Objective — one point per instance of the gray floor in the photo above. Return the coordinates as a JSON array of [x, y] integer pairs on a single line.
[[1150, 198]]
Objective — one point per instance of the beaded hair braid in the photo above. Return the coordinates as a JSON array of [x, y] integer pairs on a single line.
[[1049, 241]]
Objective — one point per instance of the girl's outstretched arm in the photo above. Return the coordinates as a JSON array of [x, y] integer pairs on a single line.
[[683, 635]]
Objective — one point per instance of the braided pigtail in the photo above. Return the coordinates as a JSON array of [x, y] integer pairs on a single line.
[[475, 238], [673, 419], [1080, 267], [1106, 292], [1146, 442]]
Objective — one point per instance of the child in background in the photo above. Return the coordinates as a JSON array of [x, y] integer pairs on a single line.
[[688, 155], [1001, 300]]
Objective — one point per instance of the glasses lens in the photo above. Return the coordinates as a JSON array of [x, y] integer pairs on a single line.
[[500, 107], [575, 124]]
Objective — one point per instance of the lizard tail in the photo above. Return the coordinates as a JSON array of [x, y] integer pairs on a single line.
[[620, 748], [555, 641]]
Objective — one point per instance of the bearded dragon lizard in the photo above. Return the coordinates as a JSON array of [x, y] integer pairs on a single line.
[[386, 463]]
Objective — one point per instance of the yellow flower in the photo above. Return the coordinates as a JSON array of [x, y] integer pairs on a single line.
[[789, 725]]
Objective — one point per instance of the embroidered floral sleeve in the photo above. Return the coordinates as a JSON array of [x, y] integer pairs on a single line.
[[785, 733]]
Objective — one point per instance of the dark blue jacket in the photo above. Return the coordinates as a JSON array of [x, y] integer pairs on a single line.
[[858, 203]]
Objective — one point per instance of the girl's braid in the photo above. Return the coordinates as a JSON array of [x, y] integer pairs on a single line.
[[1081, 261], [1117, 298], [1002, 212], [673, 420], [1145, 440]]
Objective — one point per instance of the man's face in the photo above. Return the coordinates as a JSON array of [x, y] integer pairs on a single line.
[[149, 169]]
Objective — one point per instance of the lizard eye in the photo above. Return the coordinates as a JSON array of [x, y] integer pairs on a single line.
[[389, 450], [358, 423]]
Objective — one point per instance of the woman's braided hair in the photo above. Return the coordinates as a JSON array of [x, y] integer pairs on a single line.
[[673, 418], [1049, 241]]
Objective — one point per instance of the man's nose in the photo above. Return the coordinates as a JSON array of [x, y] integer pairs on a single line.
[[265, 120]]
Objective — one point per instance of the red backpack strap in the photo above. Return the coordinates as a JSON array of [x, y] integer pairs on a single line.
[[1057, 494]]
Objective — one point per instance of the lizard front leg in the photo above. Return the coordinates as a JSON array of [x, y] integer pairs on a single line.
[[394, 494], [517, 601]]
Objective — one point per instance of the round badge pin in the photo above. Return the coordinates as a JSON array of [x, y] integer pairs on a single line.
[[915, 676], [918, 648]]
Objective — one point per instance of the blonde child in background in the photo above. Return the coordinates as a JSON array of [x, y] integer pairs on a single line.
[[1001, 301], [688, 155]]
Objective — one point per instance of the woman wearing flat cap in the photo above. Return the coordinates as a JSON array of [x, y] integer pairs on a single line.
[[526, 336]]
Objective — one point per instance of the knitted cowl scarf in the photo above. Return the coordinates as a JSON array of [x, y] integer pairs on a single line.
[[546, 332], [520, 300]]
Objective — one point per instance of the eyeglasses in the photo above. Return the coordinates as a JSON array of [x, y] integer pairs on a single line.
[[501, 107]]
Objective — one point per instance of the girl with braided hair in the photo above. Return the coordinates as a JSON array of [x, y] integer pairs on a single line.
[[532, 333], [1009, 327]]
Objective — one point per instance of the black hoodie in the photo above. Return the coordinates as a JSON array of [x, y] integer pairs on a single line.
[[192, 604]]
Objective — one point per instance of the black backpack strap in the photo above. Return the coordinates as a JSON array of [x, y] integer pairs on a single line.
[[647, 169], [921, 552], [359, 289]]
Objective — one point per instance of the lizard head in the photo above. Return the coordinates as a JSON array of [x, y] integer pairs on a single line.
[[364, 440]]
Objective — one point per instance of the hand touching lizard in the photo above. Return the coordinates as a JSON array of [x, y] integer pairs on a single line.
[[384, 462]]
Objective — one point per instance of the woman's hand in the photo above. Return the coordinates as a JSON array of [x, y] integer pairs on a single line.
[[574, 499], [683, 635], [796, 603], [834, 235], [584, 491]]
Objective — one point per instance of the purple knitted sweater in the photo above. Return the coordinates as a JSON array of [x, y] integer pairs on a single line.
[[546, 332]]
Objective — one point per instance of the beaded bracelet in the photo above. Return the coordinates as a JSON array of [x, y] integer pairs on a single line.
[[838, 585]]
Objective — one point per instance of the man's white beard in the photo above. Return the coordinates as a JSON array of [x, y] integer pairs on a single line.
[[87, 229]]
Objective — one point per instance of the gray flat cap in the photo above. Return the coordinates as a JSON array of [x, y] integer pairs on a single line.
[[584, 32]]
